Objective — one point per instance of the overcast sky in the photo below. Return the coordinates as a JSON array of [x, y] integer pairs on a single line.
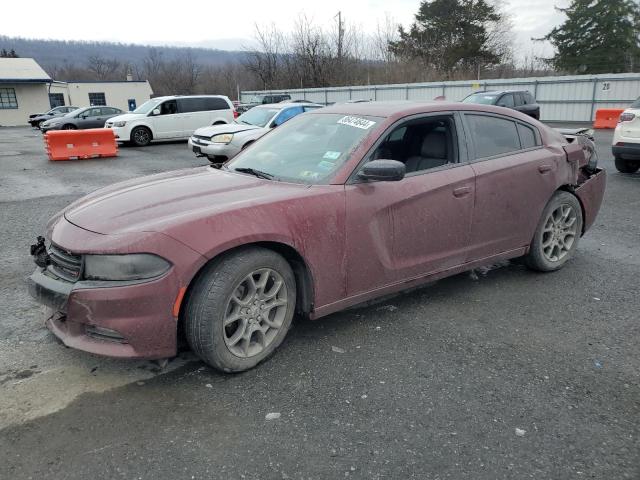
[[229, 25]]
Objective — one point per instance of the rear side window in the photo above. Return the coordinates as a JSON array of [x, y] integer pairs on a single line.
[[188, 105], [493, 135], [519, 99], [215, 103], [528, 137]]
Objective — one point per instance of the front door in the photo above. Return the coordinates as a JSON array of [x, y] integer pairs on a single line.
[[169, 124], [397, 231]]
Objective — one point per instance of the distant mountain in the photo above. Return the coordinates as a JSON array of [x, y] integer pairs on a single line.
[[52, 54]]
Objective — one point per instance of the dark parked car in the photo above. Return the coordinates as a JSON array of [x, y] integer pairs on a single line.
[[520, 100], [37, 118], [333, 208], [262, 100], [82, 118]]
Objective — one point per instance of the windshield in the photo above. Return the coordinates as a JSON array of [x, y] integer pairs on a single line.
[[483, 98], [147, 106], [307, 149], [258, 116]]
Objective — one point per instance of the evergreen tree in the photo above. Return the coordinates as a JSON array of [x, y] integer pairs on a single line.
[[598, 36], [450, 35]]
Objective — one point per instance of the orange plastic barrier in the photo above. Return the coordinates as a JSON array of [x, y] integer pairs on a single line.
[[607, 117], [80, 144]]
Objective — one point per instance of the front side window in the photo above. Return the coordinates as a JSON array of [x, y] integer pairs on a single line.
[[97, 98], [307, 149], [506, 101], [421, 144], [169, 107], [8, 98], [493, 135]]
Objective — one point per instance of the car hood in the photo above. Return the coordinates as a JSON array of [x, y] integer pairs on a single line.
[[127, 117], [158, 202], [228, 128]]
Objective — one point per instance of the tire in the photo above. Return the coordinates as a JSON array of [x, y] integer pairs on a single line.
[[557, 235], [217, 297], [627, 166], [141, 136], [69, 126]]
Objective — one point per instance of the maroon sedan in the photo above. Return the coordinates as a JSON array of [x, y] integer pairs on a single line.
[[333, 208]]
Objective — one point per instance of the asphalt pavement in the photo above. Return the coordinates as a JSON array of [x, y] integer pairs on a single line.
[[500, 373]]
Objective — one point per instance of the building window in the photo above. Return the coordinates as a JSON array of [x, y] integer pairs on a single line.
[[56, 100], [8, 98], [96, 99]]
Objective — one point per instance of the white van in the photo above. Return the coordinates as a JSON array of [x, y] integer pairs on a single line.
[[173, 117]]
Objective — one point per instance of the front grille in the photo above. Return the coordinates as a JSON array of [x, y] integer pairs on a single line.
[[64, 264]]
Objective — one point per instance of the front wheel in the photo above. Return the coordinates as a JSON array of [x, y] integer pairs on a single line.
[[627, 166], [141, 136], [240, 309], [557, 235]]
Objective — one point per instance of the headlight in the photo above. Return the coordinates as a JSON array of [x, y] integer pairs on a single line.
[[222, 138], [51, 124], [137, 266], [119, 124]]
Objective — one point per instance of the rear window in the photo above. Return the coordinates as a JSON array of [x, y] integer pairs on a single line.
[[493, 135]]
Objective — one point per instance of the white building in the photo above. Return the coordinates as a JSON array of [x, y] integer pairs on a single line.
[[25, 88]]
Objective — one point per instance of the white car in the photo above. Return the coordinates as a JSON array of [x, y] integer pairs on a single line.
[[171, 118], [222, 142], [626, 140]]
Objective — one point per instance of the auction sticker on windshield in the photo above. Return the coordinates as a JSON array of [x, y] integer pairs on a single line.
[[357, 122]]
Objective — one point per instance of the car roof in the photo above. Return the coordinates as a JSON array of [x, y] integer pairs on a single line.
[[168, 97], [406, 107], [282, 105], [498, 92]]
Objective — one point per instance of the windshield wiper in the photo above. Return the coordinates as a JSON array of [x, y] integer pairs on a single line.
[[254, 172]]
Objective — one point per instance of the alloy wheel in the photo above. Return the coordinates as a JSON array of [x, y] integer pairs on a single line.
[[559, 233], [255, 312]]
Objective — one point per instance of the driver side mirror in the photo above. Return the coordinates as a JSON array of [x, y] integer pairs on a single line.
[[155, 111], [383, 171]]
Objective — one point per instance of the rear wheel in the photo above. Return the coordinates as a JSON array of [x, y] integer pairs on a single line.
[[141, 136], [627, 166], [557, 235], [240, 309]]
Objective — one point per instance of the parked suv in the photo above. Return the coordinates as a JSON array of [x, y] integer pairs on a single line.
[[37, 118], [172, 117], [82, 118], [626, 140], [520, 100]]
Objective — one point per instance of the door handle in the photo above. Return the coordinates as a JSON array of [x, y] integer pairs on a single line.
[[544, 168], [461, 192]]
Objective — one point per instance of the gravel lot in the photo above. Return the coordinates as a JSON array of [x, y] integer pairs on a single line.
[[497, 374]]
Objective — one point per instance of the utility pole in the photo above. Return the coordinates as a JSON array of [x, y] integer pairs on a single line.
[[340, 35]]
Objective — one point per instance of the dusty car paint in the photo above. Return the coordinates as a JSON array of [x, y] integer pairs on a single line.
[[348, 241]]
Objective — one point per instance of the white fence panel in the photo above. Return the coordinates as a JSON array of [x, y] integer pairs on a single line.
[[567, 98]]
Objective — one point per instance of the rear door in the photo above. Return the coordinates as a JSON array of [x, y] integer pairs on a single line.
[[515, 178]]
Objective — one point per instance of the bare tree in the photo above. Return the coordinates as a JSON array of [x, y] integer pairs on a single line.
[[102, 68]]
